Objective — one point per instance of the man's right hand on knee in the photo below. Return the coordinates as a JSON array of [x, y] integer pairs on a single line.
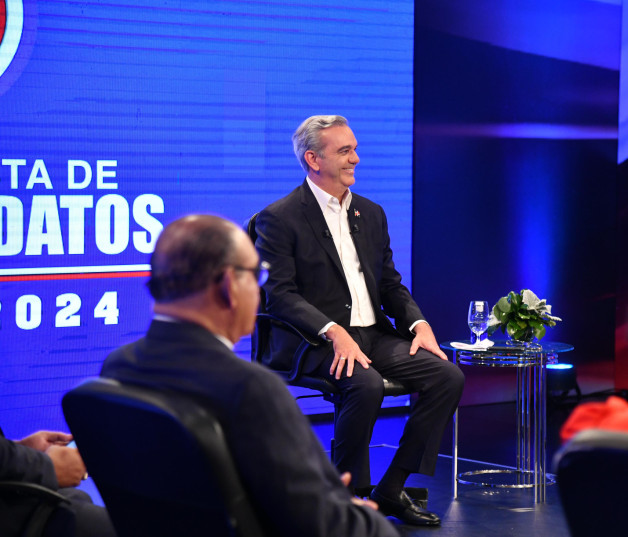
[[346, 352]]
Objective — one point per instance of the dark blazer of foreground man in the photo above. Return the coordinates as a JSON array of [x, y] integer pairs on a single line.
[[332, 274], [44, 459], [205, 274]]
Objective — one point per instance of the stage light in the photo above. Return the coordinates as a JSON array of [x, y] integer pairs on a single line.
[[561, 379]]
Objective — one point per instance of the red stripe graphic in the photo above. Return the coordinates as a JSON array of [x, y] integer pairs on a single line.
[[85, 276], [3, 18]]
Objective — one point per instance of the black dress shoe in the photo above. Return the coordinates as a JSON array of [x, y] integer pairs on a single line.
[[404, 509], [417, 495]]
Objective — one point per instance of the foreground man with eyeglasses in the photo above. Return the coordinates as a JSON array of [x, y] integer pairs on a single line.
[[205, 281]]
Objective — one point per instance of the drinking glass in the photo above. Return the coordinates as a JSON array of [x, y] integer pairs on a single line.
[[478, 318]]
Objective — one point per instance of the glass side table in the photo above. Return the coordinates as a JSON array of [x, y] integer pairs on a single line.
[[530, 471]]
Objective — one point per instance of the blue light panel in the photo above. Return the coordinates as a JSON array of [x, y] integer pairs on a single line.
[[118, 117]]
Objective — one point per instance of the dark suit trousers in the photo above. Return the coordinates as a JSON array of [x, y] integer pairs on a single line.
[[438, 382], [80, 519]]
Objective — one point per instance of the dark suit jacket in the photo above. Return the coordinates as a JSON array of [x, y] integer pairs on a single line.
[[293, 485], [21, 463], [307, 285]]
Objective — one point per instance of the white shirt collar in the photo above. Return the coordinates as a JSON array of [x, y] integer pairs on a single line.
[[323, 198], [224, 340]]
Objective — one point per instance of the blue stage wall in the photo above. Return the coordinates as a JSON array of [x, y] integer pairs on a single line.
[[117, 117], [516, 117]]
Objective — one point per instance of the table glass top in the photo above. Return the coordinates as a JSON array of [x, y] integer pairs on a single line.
[[501, 346]]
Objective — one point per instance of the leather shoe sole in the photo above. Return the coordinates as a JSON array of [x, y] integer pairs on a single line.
[[403, 508]]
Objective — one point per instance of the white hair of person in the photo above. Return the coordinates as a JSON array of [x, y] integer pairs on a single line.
[[306, 137]]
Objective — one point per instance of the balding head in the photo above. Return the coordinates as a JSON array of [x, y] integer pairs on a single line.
[[189, 254], [204, 271]]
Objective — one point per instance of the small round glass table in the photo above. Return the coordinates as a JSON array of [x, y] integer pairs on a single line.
[[530, 361]]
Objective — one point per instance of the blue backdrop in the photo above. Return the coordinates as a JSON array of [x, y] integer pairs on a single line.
[[118, 117], [516, 116]]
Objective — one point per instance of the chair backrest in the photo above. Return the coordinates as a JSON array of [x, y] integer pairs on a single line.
[[592, 472], [260, 339], [160, 462]]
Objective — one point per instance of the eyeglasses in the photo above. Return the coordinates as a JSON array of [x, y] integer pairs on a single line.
[[260, 271]]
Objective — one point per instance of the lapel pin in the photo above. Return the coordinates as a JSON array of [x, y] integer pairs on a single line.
[[356, 213]]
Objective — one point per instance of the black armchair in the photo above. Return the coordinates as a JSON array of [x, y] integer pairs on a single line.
[[160, 462], [592, 472], [295, 376]]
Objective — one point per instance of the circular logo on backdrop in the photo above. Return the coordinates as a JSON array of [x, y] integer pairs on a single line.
[[11, 26]]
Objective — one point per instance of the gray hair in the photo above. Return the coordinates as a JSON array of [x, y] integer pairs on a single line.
[[306, 137]]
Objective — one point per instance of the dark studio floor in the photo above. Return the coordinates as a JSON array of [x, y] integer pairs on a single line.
[[478, 511]]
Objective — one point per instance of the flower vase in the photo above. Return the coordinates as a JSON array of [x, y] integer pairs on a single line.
[[527, 341]]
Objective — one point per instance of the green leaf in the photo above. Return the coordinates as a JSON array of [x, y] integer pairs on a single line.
[[503, 305], [539, 332]]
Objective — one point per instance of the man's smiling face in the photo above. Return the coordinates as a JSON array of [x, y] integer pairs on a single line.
[[333, 169]]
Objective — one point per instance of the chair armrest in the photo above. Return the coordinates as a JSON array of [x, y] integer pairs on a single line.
[[32, 489], [307, 343], [49, 500], [314, 342]]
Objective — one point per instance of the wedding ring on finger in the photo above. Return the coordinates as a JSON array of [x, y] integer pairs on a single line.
[[343, 357]]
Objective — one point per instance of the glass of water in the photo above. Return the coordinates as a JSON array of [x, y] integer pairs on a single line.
[[478, 318]]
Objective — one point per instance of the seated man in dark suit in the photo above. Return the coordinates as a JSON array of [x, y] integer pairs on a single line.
[[332, 274], [205, 275], [43, 458]]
